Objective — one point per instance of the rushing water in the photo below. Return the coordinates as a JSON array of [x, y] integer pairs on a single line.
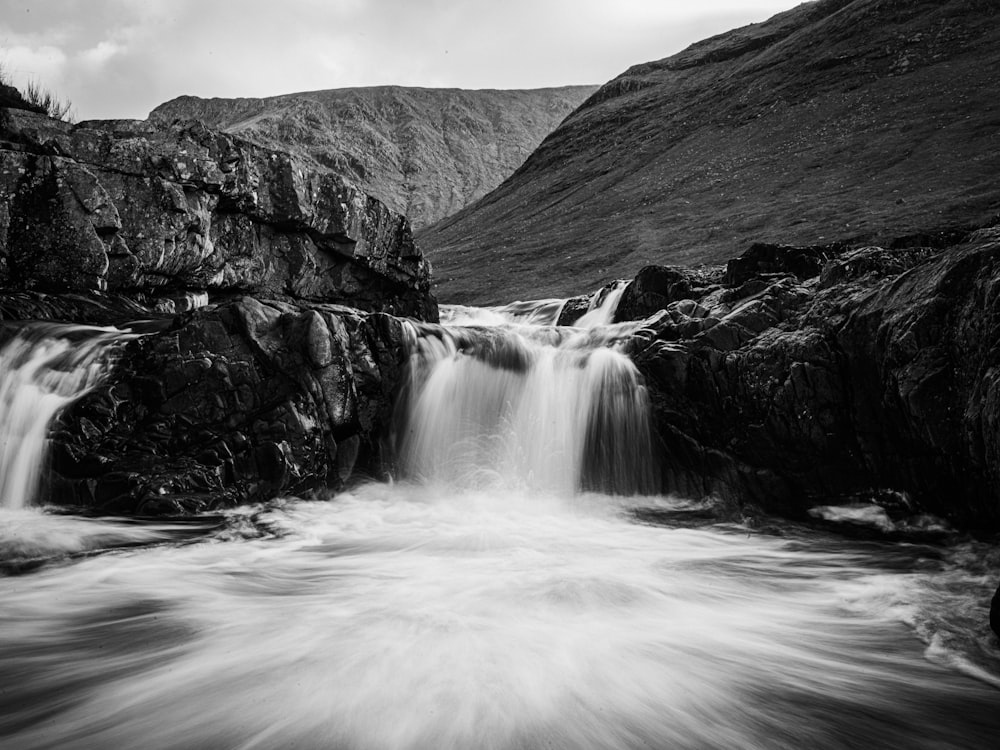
[[42, 369], [545, 409], [504, 606]]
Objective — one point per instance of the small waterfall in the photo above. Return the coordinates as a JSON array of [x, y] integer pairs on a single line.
[[550, 409], [42, 369], [541, 312], [603, 305]]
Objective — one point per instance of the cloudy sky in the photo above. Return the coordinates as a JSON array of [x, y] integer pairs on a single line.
[[120, 58]]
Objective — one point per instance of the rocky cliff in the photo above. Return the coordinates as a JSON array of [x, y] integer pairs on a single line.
[[799, 376], [840, 120], [424, 152], [132, 209], [280, 380]]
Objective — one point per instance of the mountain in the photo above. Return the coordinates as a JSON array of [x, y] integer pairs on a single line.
[[859, 121], [424, 153]]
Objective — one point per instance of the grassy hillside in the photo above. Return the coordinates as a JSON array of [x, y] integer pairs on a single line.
[[855, 120]]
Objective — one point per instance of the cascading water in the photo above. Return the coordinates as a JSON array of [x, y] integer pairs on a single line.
[[42, 369], [543, 409], [514, 593], [603, 305]]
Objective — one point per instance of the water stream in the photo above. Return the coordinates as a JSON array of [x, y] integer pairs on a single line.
[[516, 586], [43, 368]]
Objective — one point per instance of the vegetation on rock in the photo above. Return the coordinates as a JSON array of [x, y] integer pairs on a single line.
[[33, 98]]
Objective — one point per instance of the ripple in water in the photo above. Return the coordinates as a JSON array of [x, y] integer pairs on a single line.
[[400, 616]]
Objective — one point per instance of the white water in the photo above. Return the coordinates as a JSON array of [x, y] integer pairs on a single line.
[[399, 616], [603, 306], [543, 312], [42, 369], [486, 603], [515, 406]]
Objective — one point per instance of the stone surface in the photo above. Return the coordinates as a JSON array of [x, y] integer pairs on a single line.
[[234, 403], [425, 153], [133, 209], [840, 120], [879, 376], [995, 613]]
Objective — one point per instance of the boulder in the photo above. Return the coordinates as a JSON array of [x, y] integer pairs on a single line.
[[766, 258], [233, 403], [653, 288]]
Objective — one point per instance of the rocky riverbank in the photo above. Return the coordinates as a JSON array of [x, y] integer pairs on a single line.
[[792, 377], [797, 376], [259, 281]]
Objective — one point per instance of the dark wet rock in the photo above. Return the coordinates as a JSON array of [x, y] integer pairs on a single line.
[[241, 402], [91, 309], [882, 376], [763, 258], [574, 309], [129, 208], [653, 288], [995, 613], [872, 262]]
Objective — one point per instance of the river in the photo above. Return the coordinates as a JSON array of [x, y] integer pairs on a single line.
[[490, 599]]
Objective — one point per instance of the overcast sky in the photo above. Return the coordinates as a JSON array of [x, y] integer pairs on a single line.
[[120, 58]]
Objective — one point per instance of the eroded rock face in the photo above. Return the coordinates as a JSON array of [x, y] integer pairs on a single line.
[[236, 403], [882, 372], [129, 208], [267, 366]]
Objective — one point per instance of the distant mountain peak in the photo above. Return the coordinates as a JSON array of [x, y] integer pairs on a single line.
[[424, 152]]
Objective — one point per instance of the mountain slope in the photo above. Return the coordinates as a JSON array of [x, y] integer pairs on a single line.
[[854, 120], [424, 152]]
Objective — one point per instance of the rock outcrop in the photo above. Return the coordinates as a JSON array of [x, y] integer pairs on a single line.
[[132, 209], [259, 283], [425, 153], [234, 403], [871, 373], [839, 120]]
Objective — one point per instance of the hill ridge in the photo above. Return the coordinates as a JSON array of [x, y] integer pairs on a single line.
[[425, 152], [848, 120]]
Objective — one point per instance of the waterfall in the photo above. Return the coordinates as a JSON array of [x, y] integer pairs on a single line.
[[42, 369], [603, 305], [542, 312], [556, 410]]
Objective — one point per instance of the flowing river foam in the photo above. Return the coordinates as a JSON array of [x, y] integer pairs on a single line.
[[503, 608], [402, 616]]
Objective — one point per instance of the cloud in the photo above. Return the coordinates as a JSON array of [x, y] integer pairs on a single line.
[[25, 62], [101, 54], [120, 58]]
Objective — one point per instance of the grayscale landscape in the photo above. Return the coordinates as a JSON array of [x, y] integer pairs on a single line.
[[467, 375]]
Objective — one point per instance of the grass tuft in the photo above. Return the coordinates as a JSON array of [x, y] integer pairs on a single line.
[[44, 99], [34, 98]]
